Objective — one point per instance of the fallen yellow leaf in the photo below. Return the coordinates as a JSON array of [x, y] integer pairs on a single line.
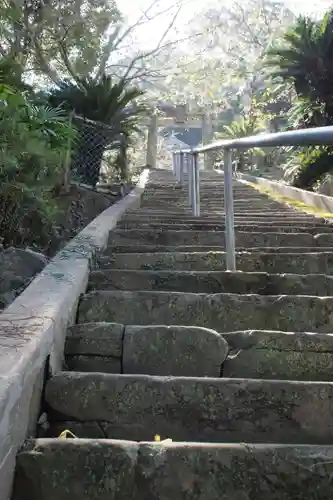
[[67, 434]]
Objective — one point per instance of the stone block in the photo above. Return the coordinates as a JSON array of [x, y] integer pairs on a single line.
[[93, 363], [279, 355], [100, 339], [76, 470], [195, 409], [234, 472], [173, 350]]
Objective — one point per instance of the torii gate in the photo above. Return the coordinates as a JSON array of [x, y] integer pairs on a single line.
[[178, 117]]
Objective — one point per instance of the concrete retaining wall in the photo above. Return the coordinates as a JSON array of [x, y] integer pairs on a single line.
[[321, 202], [33, 330]]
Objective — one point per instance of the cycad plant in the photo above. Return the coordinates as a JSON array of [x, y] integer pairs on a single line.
[[246, 125], [305, 59], [104, 111]]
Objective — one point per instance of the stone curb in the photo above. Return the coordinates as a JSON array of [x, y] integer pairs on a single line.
[[321, 202], [33, 330]]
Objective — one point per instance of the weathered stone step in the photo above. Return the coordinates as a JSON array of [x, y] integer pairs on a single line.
[[165, 186], [243, 239], [193, 409], [198, 352], [279, 355], [287, 221], [215, 183], [302, 263], [209, 248], [154, 350], [219, 216], [126, 470], [152, 205], [250, 213], [221, 312], [242, 221], [209, 200], [212, 282], [208, 192], [249, 227], [209, 197]]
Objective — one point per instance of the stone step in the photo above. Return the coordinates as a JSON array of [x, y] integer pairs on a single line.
[[202, 248], [220, 219], [221, 312], [208, 201], [250, 213], [152, 205], [243, 239], [210, 196], [206, 193], [302, 263], [279, 355], [218, 222], [155, 350], [126, 470], [168, 343], [250, 227], [212, 282], [198, 352], [192, 409], [219, 215]]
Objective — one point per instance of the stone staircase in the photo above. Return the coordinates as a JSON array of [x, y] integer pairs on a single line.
[[168, 343]]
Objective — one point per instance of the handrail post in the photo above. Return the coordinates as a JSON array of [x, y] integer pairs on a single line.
[[181, 168], [189, 177], [193, 186], [196, 183], [229, 212], [174, 163], [177, 166]]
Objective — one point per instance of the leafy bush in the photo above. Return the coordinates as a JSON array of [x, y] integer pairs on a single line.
[[33, 145], [247, 125], [310, 166]]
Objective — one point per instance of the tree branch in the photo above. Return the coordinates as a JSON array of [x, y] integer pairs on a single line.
[[67, 63], [116, 39]]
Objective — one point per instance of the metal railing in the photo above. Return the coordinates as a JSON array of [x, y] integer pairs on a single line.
[[319, 136]]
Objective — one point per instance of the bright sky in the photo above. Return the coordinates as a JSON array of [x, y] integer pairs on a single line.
[[149, 37]]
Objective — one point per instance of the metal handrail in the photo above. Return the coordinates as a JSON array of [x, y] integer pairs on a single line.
[[318, 136]]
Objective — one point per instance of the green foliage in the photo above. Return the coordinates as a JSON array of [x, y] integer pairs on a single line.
[[309, 166], [33, 144], [305, 60], [250, 124], [106, 102], [57, 38]]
